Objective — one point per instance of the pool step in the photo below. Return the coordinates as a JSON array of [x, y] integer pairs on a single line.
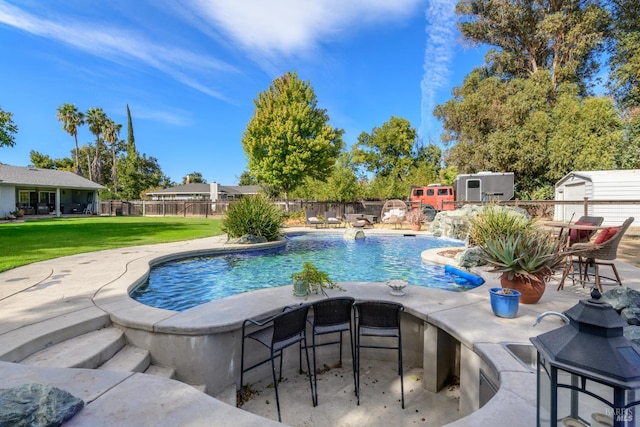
[[104, 349], [18, 344], [128, 359], [89, 350], [161, 371]]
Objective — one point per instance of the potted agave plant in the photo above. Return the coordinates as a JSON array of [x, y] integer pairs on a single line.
[[526, 259], [311, 280]]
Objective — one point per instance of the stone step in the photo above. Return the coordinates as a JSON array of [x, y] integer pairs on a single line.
[[89, 350], [161, 371], [129, 359], [20, 343]]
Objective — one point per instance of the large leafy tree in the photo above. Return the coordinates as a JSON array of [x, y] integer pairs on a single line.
[[96, 119], [289, 138], [563, 37], [528, 110], [341, 185], [7, 129], [45, 161], [71, 119], [396, 158], [388, 150], [193, 177], [524, 133], [624, 80]]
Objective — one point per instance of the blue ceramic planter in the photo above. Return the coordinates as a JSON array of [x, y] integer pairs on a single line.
[[504, 305]]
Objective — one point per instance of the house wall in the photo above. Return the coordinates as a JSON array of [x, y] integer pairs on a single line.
[[7, 200]]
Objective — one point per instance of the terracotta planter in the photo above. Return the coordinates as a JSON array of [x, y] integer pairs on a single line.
[[416, 227], [531, 290]]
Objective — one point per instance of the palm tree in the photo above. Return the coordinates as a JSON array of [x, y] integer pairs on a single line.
[[95, 119], [71, 118], [111, 132]]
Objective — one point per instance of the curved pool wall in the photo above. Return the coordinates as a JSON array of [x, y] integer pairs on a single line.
[[444, 329], [185, 283]]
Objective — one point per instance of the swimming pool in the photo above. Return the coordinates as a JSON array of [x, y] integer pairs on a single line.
[[182, 284]]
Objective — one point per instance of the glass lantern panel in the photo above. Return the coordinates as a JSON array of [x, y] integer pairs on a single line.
[[581, 399], [544, 392]]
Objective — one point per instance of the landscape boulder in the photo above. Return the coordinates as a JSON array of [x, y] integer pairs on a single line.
[[37, 405]]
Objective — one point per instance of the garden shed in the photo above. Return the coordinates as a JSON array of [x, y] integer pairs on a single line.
[[603, 186]]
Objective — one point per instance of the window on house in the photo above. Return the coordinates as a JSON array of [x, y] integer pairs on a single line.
[[23, 198]]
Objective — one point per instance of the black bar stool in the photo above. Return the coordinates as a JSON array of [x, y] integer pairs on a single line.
[[277, 333], [378, 319]]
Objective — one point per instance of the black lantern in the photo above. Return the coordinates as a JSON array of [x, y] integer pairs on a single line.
[[588, 372]]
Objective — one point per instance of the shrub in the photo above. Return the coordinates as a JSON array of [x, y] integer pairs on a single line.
[[498, 221], [416, 217], [253, 215]]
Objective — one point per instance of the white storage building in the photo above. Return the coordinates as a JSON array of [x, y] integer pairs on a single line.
[[599, 186]]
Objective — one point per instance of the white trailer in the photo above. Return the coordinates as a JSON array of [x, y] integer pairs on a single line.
[[484, 186], [599, 185]]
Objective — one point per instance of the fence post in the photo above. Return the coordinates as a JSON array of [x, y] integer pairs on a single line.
[[586, 206]]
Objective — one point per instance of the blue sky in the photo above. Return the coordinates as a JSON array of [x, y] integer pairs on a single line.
[[190, 69]]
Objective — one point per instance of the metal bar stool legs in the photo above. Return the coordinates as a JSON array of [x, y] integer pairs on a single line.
[[277, 333], [378, 319]]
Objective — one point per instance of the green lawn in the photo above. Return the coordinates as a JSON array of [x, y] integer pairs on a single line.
[[31, 241]]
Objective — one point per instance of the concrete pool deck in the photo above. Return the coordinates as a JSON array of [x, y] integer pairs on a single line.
[[46, 302]]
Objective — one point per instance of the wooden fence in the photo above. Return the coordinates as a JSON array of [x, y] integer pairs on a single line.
[[206, 209]]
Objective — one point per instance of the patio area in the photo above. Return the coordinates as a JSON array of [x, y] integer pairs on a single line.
[[39, 302]]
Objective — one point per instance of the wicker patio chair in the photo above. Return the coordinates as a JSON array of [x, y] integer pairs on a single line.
[[583, 236], [601, 253], [393, 212]]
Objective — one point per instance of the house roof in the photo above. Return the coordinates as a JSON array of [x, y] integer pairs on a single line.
[[621, 176], [29, 176], [199, 188]]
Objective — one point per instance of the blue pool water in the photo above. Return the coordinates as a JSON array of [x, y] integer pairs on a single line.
[[179, 285]]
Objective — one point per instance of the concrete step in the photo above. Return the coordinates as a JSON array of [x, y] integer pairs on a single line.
[[20, 343], [161, 371], [200, 387], [129, 359], [89, 350]]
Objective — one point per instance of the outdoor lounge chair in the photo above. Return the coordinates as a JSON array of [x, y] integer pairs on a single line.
[[277, 333], [312, 219], [330, 218], [88, 210], [603, 251]]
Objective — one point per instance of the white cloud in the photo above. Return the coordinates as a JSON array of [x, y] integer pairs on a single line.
[[120, 45], [268, 29], [175, 117], [438, 57]]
